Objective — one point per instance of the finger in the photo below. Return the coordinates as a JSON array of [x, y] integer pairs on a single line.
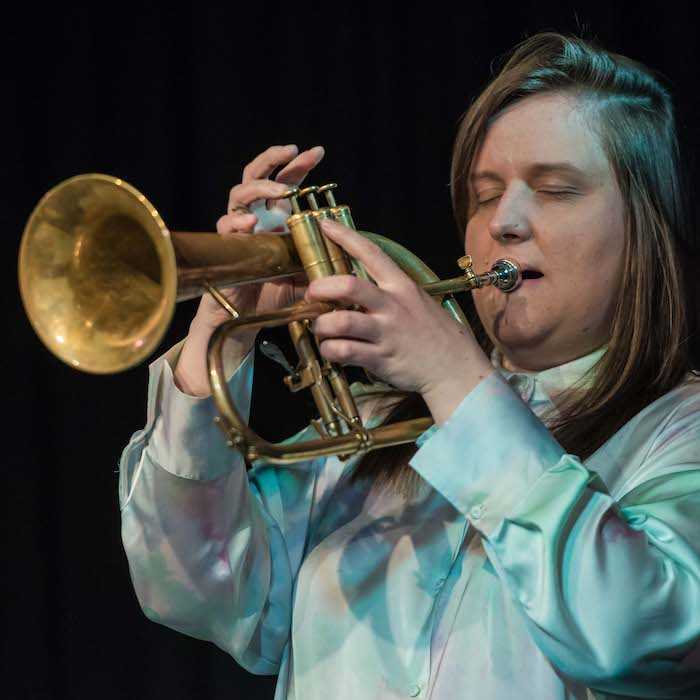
[[346, 324], [379, 265], [246, 194], [295, 172], [264, 164], [347, 290], [349, 352], [236, 222]]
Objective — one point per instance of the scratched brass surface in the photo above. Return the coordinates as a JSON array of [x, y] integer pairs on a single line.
[[100, 273], [97, 273]]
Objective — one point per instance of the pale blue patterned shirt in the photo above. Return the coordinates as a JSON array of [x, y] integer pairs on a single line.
[[516, 571]]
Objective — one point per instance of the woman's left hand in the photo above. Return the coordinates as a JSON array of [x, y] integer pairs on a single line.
[[403, 336]]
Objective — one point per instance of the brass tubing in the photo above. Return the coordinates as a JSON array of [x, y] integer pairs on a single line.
[[449, 286], [320, 390], [317, 254], [334, 371], [358, 439], [336, 377], [338, 257], [342, 215], [382, 436], [237, 432], [418, 271], [234, 259], [253, 447], [310, 244]]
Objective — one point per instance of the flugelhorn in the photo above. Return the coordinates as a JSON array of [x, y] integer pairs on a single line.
[[100, 275]]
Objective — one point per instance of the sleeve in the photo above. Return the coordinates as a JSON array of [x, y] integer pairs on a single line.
[[213, 550], [610, 590]]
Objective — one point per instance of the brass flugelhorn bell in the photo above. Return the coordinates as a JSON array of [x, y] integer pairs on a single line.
[[100, 275]]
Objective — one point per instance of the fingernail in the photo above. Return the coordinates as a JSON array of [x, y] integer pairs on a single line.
[[292, 145]]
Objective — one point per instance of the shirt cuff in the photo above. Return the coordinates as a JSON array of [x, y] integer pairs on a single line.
[[488, 454], [185, 440]]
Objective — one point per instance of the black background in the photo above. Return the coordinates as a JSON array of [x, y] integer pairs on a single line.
[[176, 102]]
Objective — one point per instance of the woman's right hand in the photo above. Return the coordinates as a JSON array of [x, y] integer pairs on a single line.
[[252, 299]]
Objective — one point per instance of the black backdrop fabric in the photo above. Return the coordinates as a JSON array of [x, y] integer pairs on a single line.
[[175, 99]]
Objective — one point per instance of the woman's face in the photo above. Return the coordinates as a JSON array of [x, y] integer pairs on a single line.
[[542, 193]]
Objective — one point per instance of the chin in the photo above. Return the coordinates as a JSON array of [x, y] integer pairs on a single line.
[[525, 348], [509, 331]]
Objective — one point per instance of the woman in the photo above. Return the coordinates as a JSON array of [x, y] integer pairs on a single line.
[[542, 541]]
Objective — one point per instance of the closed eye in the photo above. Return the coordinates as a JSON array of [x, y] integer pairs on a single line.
[[559, 194], [480, 203]]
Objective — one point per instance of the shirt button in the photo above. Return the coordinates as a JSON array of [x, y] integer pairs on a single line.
[[414, 690], [476, 512]]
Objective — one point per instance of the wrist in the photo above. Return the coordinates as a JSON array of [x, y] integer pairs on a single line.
[[199, 328], [444, 394], [190, 372], [202, 331]]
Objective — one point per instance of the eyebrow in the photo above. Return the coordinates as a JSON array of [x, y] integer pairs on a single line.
[[534, 170]]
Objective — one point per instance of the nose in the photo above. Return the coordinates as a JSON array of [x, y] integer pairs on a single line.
[[510, 222]]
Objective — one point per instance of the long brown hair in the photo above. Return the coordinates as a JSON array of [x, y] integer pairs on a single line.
[[647, 354]]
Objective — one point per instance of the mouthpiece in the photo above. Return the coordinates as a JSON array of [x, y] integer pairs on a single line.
[[506, 275]]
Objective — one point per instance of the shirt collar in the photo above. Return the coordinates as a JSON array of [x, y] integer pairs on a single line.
[[544, 386]]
